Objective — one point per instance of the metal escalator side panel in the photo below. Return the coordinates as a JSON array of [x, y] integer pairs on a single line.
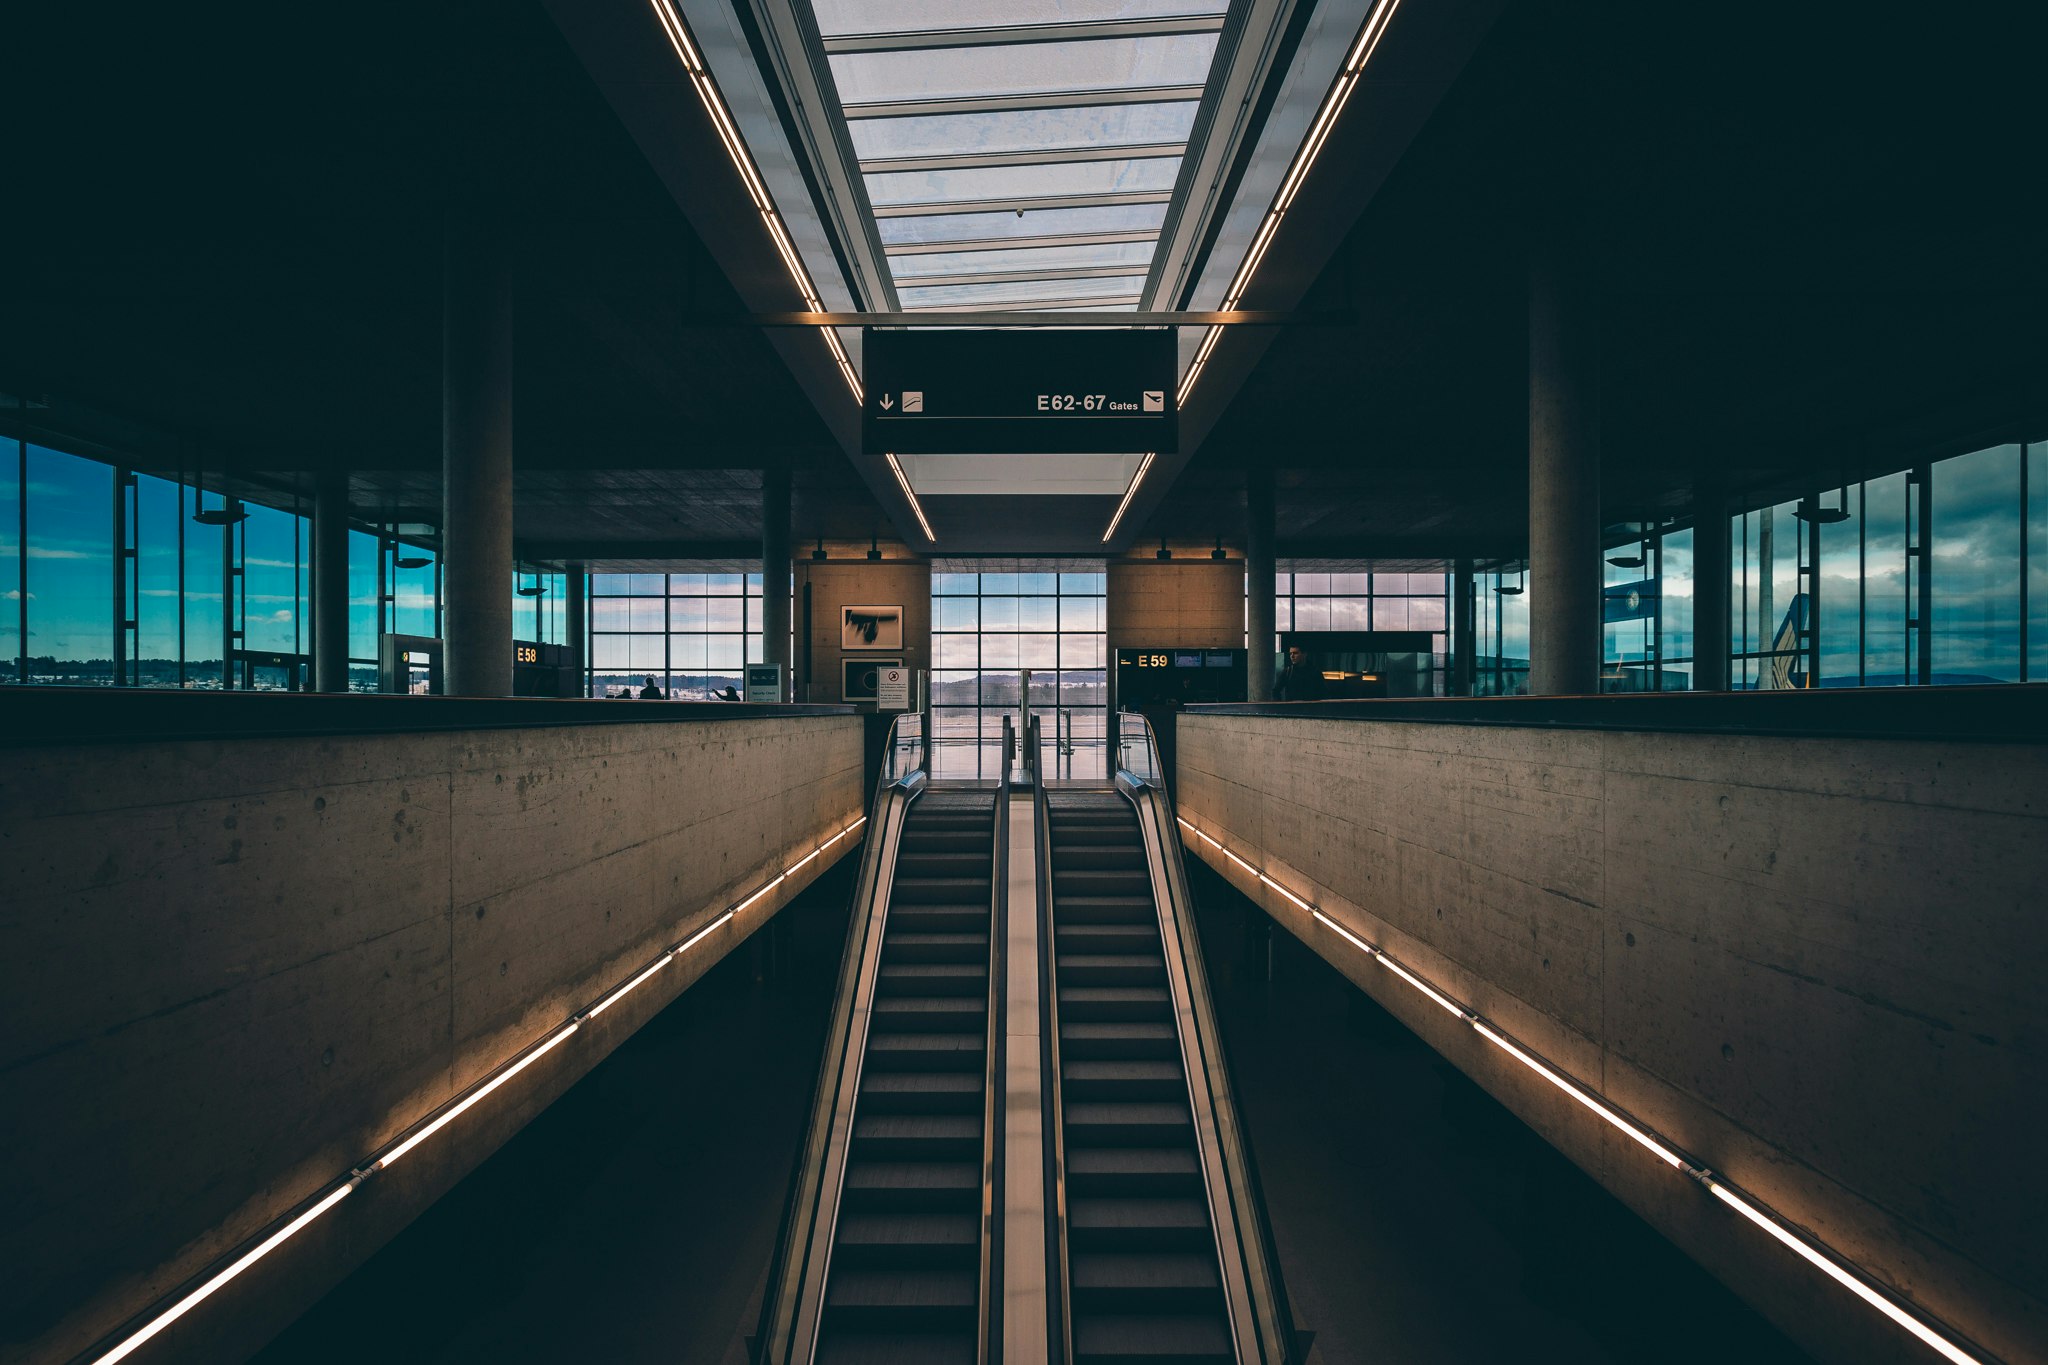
[[899, 1275], [804, 1246], [1261, 1322]]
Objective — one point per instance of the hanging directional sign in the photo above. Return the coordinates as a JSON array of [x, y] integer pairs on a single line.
[[1019, 392]]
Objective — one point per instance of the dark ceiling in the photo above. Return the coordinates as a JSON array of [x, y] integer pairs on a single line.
[[1814, 238]]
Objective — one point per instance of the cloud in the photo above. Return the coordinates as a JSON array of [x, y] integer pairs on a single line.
[[14, 595]]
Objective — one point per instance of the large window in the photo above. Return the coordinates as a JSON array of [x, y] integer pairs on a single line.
[[692, 633], [1376, 601], [1928, 575], [1646, 610], [989, 628], [108, 578]]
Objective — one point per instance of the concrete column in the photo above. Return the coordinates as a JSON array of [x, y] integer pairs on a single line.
[[1259, 581], [476, 463], [330, 582], [1711, 569], [576, 585], [775, 572], [1463, 631], [1564, 483]]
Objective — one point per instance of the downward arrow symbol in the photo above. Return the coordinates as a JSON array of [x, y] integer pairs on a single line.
[[887, 402]]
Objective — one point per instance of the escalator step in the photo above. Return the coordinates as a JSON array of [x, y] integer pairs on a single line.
[[917, 1137], [913, 1185], [934, 978], [940, 919], [908, 1239], [892, 1051], [1157, 1224], [1145, 1124], [905, 1298], [1111, 969], [896, 1348], [1104, 910], [1102, 859], [939, 891], [1195, 1339], [1091, 882], [1144, 1281], [1083, 1080], [935, 863], [921, 1092], [1097, 1003], [906, 946], [1119, 1040], [930, 1013], [1108, 938], [1120, 1172]]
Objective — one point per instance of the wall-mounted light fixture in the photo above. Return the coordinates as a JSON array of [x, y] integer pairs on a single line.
[[1810, 1249], [296, 1222]]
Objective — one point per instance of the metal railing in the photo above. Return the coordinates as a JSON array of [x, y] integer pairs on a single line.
[[793, 1305], [1052, 1118], [1261, 1323], [995, 1078]]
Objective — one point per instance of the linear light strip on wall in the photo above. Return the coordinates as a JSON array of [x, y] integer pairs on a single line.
[[1129, 493], [757, 189], [1809, 1249], [1304, 157], [389, 1156]]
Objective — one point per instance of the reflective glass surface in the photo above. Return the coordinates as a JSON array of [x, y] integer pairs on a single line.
[[837, 17], [978, 227], [1023, 68], [1136, 255], [1023, 130], [1022, 291], [1042, 181]]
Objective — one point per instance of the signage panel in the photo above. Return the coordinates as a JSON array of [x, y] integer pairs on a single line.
[[892, 688], [1023, 392], [764, 682]]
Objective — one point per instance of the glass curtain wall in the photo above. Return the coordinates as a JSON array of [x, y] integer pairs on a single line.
[[1500, 631], [107, 580], [1371, 600], [1646, 610], [1931, 575], [691, 633], [987, 629]]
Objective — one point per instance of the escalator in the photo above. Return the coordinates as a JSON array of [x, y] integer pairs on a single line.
[[906, 1268], [1143, 1273]]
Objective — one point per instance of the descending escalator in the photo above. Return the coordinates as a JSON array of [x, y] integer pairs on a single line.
[[1143, 1276], [906, 1272]]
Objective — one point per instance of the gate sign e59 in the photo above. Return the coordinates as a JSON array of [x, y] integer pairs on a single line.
[[1019, 392]]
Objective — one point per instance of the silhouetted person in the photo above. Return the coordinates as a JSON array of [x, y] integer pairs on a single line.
[[652, 693], [1301, 680], [730, 693]]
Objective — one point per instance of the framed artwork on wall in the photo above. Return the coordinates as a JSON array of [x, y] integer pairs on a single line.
[[870, 628], [862, 677]]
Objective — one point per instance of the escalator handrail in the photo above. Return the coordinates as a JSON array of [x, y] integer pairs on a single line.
[[995, 1078], [1258, 1299], [1052, 1119], [790, 1308]]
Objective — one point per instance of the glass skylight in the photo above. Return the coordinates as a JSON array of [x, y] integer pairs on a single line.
[[1020, 153]]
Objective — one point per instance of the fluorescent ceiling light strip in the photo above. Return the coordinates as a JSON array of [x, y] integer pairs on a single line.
[[234, 1268], [130, 1344], [1285, 892], [1129, 493], [1304, 157], [736, 149], [915, 505], [1811, 1250]]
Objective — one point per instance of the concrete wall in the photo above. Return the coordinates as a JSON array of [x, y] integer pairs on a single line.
[[1160, 603], [886, 582], [233, 969], [1815, 964]]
